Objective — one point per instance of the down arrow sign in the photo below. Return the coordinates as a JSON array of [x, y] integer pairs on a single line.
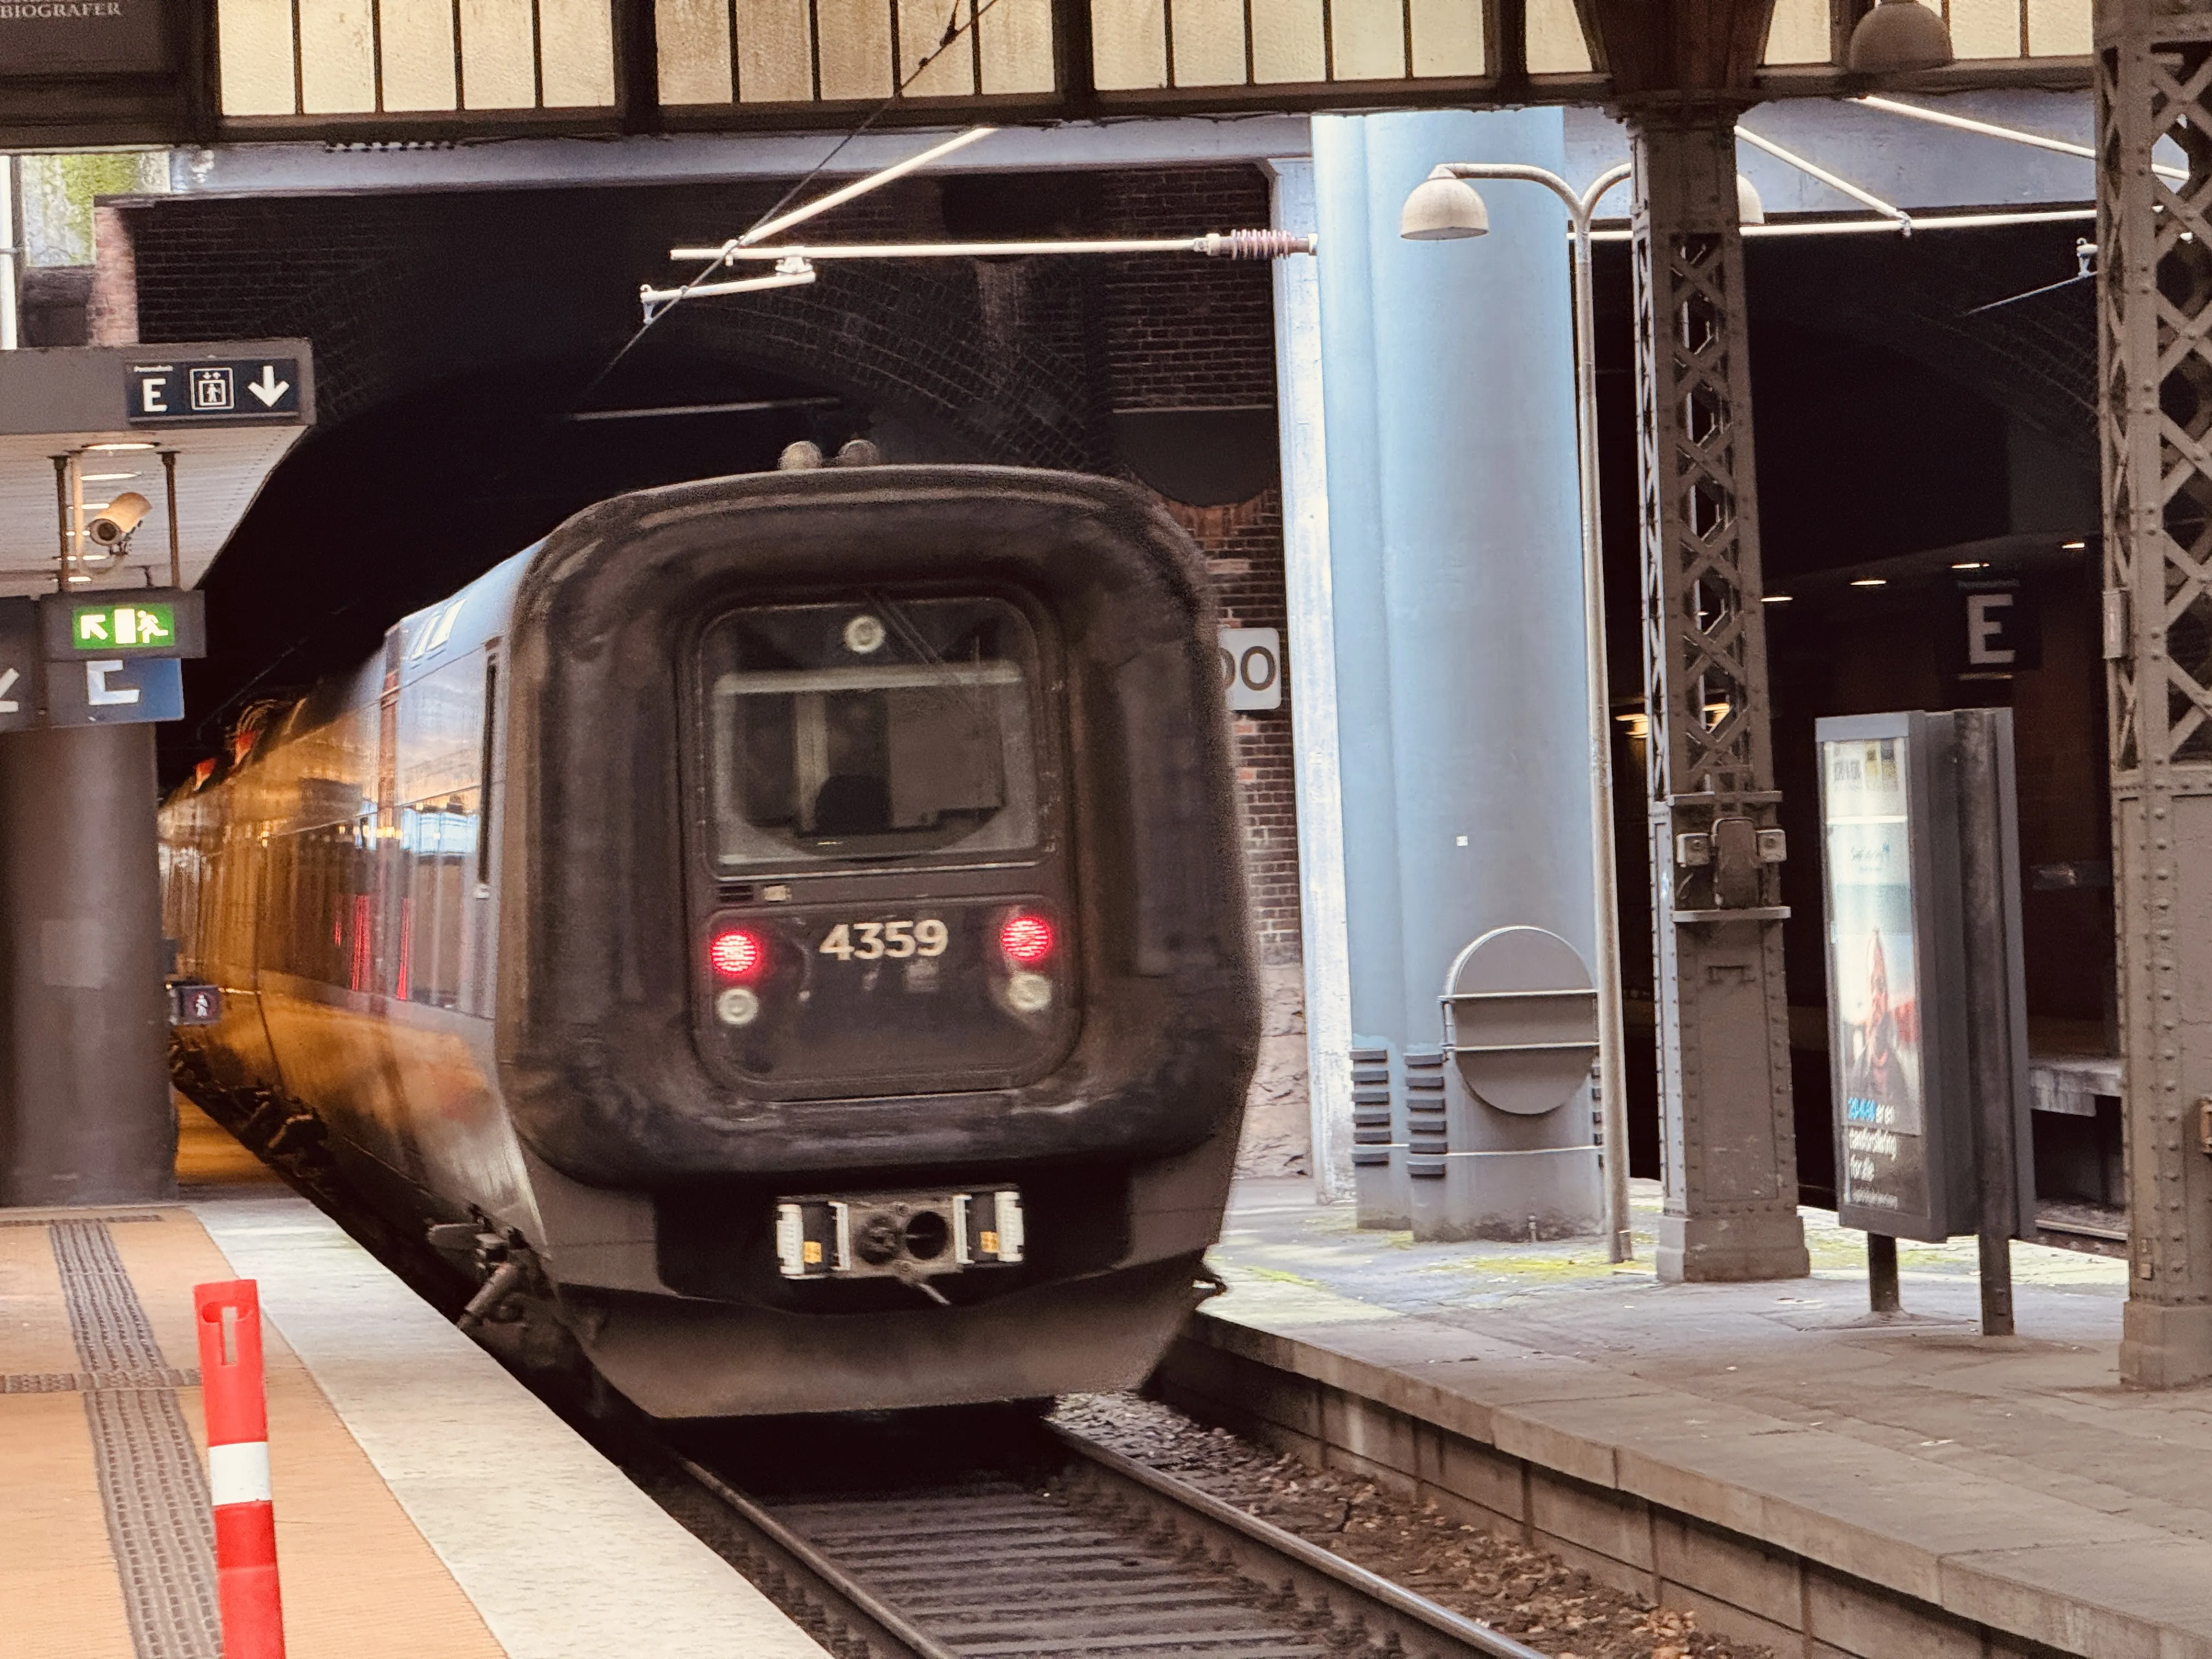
[[268, 388]]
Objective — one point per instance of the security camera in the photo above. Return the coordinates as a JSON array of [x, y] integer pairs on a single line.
[[118, 518]]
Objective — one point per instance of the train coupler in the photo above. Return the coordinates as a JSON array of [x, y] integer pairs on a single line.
[[910, 1237]]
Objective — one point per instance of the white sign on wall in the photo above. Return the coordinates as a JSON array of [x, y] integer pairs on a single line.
[[1252, 667]]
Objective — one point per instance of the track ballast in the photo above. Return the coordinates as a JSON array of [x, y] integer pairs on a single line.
[[1069, 1551]]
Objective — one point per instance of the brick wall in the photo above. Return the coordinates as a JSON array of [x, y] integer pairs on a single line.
[[1184, 334]]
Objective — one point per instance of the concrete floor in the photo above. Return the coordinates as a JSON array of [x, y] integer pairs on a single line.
[[1277, 1235], [2043, 1411], [2013, 1477]]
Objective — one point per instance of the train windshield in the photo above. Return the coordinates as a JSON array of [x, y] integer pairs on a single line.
[[876, 730]]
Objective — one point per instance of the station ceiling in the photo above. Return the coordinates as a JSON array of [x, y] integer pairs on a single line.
[[203, 71], [76, 403]]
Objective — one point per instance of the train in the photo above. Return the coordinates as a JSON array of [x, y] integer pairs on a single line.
[[779, 940]]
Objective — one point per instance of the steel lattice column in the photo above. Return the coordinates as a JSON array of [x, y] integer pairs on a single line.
[[1730, 1148], [2154, 346]]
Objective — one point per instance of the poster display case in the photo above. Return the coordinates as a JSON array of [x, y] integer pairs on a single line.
[[1897, 1042]]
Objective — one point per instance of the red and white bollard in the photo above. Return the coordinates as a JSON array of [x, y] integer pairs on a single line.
[[231, 1393]]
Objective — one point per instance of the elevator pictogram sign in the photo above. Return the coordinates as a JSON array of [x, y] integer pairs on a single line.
[[182, 392]]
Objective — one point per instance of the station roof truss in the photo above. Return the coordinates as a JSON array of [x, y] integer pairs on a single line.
[[432, 71]]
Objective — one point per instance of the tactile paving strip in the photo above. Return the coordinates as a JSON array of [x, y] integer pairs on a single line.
[[43, 1221], [151, 1486], [86, 1382]]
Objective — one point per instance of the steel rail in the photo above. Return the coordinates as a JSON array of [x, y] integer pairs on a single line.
[[1214, 1550], [806, 1571], [1397, 1619]]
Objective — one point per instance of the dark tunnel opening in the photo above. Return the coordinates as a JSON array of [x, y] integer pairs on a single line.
[[398, 507]]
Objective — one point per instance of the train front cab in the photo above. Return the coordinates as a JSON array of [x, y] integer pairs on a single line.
[[888, 1008]]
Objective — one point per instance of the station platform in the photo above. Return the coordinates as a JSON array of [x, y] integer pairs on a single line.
[[427, 1506], [1773, 1457]]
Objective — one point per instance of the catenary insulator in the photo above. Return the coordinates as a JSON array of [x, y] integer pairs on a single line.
[[1254, 243]]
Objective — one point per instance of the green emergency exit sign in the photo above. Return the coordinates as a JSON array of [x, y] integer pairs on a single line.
[[122, 622], [104, 627]]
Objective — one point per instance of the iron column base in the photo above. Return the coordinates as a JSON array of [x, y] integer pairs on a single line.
[[1731, 1249], [2163, 1346]]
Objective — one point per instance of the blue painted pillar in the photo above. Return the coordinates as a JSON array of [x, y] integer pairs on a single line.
[[1447, 374]]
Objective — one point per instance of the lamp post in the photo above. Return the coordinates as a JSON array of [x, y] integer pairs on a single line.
[[1445, 207]]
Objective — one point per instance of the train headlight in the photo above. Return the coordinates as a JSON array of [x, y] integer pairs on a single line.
[[737, 953], [737, 1006], [1029, 994], [1027, 938]]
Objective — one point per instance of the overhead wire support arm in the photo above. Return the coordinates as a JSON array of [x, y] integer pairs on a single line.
[[1992, 130], [789, 273], [1218, 244], [799, 215], [1819, 174], [1889, 227]]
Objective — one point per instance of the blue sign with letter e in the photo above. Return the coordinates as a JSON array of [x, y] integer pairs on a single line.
[[115, 691], [19, 664]]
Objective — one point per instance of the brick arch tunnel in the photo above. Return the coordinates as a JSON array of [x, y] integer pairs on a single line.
[[456, 331], [458, 335]]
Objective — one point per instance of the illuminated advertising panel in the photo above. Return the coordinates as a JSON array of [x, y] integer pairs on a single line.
[[1874, 975], [1898, 1040]]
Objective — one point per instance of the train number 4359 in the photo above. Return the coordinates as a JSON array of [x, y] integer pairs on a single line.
[[871, 941]]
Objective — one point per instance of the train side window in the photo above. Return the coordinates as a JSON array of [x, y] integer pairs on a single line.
[[435, 839], [871, 731], [440, 733]]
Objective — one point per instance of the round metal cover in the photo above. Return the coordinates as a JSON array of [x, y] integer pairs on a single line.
[[1522, 1011]]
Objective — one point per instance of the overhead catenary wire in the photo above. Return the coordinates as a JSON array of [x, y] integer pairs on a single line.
[[955, 27], [2032, 293], [2085, 263]]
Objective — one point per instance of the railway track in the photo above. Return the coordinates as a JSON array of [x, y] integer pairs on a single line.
[[1084, 1553]]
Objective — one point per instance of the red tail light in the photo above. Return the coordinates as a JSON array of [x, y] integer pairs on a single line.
[[1027, 938], [737, 953]]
